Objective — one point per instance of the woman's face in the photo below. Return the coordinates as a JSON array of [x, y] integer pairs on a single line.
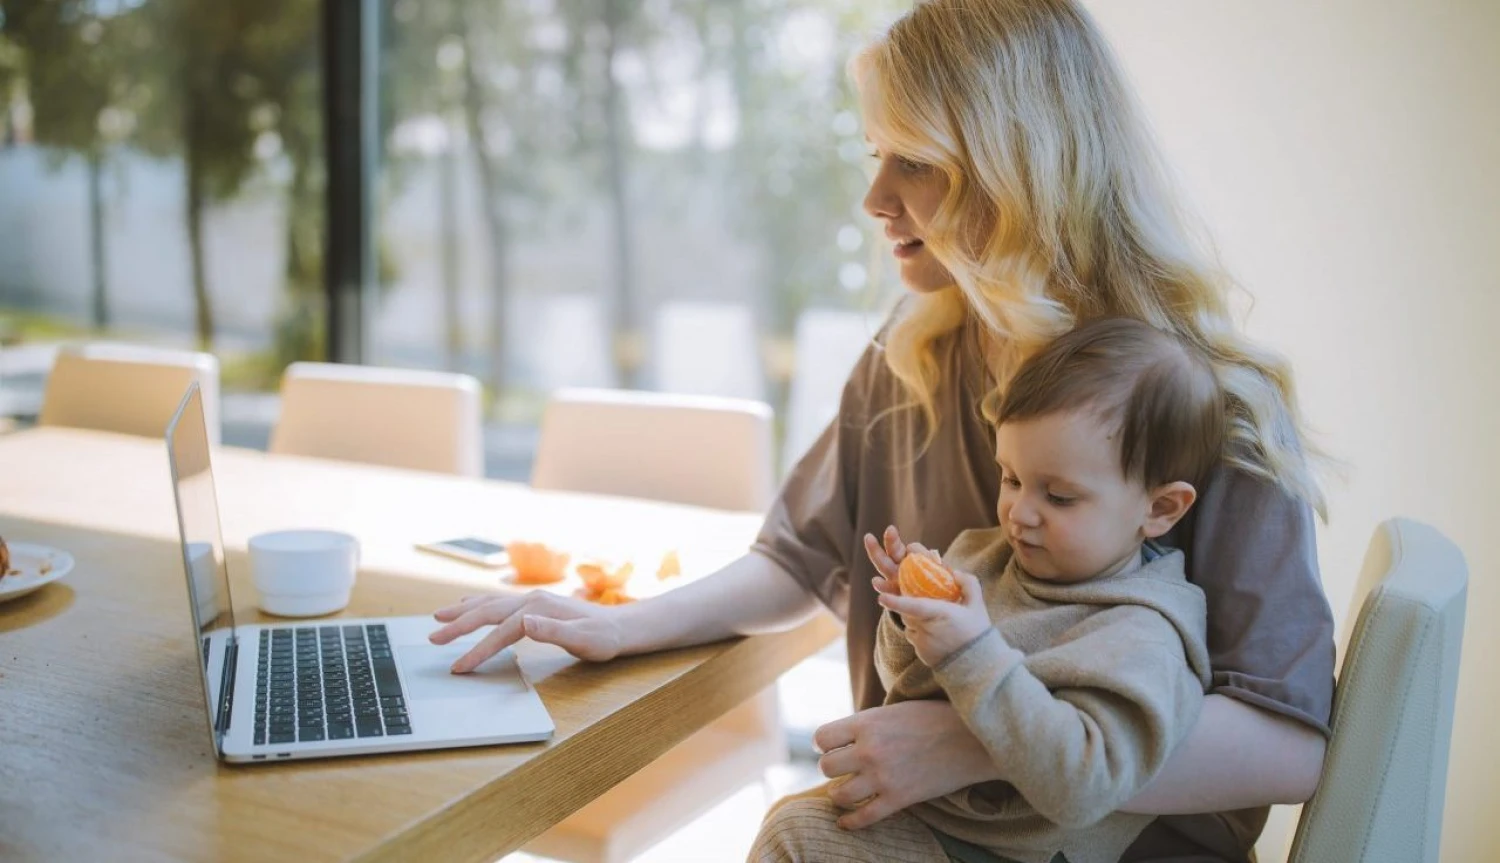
[[904, 196]]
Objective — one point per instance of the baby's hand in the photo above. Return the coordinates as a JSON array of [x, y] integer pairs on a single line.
[[887, 559], [936, 627]]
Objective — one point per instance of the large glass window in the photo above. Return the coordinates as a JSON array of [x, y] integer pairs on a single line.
[[655, 194], [161, 177]]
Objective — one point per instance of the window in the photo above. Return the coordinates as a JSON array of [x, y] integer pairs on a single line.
[[641, 194], [161, 176]]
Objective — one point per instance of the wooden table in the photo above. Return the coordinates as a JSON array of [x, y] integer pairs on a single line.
[[104, 751]]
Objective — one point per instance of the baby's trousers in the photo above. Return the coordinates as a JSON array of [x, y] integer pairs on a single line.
[[802, 828]]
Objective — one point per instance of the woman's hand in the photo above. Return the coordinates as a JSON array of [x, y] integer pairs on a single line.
[[891, 757], [586, 630]]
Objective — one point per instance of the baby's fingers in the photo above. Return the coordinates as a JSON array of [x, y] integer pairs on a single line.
[[973, 592], [916, 608], [878, 556], [894, 547]]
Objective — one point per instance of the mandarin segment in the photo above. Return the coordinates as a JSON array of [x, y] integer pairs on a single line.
[[920, 575]]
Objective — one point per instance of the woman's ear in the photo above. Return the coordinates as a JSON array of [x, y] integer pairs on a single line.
[[1169, 503]]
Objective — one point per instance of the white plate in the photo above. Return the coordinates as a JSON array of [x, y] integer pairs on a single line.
[[32, 566]]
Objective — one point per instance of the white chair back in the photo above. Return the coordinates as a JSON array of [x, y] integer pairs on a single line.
[[700, 450], [406, 418], [1385, 775], [131, 389]]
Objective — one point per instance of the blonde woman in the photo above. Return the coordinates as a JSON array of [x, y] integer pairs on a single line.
[[1021, 195]]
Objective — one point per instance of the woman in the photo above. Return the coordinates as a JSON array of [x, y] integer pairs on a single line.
[[1022, 195]]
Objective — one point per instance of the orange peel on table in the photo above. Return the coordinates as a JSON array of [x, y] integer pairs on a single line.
[[598, 577], [604, 583], [537, 563], [671, 566], [612, 596], [924, 576]]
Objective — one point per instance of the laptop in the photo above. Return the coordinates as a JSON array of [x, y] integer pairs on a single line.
[[325, 687]]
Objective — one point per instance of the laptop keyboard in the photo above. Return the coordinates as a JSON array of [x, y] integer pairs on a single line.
[[327, 683]]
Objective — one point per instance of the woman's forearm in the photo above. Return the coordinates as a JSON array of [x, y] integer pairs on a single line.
[[751, 595], [1236, 757]]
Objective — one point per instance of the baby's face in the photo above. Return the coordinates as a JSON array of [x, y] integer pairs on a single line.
[[1065, 503]]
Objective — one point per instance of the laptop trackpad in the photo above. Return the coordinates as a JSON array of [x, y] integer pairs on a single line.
[[425, 670]]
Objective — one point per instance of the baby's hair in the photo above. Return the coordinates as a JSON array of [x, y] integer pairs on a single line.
[[1158, 394]]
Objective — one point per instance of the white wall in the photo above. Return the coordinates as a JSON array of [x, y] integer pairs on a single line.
[[1344, 155]]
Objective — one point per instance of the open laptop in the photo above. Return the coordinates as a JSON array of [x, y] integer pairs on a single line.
[[332, 686]]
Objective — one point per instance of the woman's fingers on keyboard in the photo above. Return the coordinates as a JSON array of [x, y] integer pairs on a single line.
[[453, 611], [468, 616], [502, 636]]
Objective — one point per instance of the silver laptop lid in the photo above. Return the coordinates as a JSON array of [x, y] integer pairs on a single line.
[[203, 558]]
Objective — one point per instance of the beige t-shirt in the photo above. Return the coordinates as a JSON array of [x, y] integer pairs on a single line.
[[1249, 546]]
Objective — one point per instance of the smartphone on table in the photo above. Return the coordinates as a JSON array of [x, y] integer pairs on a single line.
[[470, 549]]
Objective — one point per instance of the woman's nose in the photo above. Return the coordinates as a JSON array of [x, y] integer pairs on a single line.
[[881, 201]]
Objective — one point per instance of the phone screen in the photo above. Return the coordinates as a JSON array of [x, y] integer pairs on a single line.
[[478, 546]]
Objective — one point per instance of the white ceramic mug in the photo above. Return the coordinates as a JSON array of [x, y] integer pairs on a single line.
[[203, 565], [303, 573]]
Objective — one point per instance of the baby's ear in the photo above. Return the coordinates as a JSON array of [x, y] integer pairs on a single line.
[[1169, 503]]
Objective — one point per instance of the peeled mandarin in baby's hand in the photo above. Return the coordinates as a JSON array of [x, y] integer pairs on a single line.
[[920, 575]]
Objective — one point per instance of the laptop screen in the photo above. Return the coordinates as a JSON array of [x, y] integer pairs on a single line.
[[203, 555]]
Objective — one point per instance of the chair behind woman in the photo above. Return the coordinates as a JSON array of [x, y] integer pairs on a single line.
[[697, 450], [1381, 798]]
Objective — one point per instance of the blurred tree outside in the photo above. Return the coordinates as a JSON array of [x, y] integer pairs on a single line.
[[537, 94], [83, 92], [229, 87], [551, 107]]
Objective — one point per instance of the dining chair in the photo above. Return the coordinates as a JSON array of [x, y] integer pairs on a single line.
[[131, 389], [1384, 777], [700, 450], [406, 418], [704, 451]]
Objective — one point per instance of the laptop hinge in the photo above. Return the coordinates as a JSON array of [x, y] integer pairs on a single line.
[[226, 685]]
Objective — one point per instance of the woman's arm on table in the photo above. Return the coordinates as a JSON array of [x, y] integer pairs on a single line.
[[1235, 757], [749, 596]]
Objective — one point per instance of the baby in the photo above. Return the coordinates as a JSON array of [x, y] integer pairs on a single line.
[[1076, 651]]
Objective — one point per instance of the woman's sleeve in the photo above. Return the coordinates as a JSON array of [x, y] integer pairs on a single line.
[[1251, 547], [809, 531]]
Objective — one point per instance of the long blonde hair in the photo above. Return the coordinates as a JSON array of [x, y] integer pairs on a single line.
[[1020, 105]]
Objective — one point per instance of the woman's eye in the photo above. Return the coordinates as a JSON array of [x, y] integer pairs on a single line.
[[907, 166], [910, 166]]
